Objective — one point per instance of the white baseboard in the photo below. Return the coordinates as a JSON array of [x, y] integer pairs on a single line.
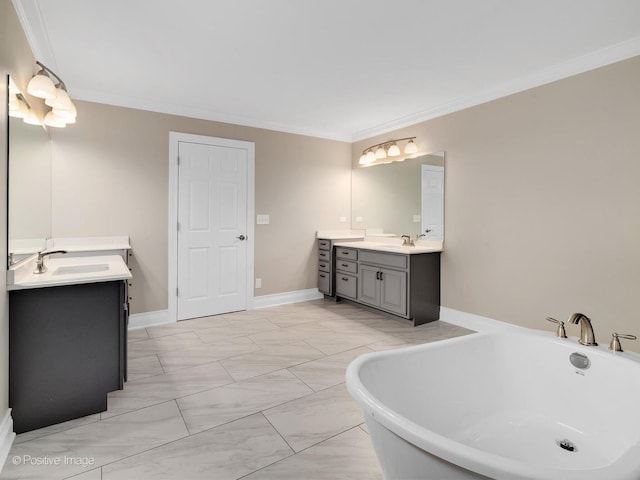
[[148, 319], [473, 322], [161, 317], [286, 297], [6, 437]]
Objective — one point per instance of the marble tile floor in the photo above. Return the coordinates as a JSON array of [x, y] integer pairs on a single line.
[[253, 395]]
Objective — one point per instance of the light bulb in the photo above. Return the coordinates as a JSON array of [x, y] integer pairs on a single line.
[[41, 86], [411, 147], [363, 159], [381, 152], [393, 151], [371, 157], [61, 100], [53, 120]]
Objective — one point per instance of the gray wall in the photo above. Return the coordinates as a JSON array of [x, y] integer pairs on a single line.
[[15, 59], [542, 204], [110, 177]]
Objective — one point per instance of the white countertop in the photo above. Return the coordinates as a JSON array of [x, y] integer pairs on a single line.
[[420, 247], [68, 271], [340, 234]]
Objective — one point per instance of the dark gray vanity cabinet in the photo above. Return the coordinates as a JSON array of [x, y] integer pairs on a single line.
[[401, 284], [67, 350]]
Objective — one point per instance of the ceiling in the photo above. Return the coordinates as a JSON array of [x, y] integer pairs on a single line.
[[340, 69]]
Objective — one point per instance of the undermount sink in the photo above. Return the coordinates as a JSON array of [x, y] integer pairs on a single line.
[[75, 269]]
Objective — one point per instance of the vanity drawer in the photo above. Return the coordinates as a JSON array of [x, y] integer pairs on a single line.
[[386, 259], [348, 253], [324, 244], [324, 255], [324, 266], [324, 282], [346, 285], [347, 266]]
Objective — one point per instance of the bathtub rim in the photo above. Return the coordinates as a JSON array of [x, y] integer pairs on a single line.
[[470, 458]]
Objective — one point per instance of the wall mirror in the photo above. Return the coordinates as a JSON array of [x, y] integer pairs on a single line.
[[400, 198], [29, 193]]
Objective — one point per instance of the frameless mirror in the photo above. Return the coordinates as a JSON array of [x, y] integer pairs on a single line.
[[29, 196], [400, 198]]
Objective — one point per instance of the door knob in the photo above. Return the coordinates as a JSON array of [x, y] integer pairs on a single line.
[[241, 237]]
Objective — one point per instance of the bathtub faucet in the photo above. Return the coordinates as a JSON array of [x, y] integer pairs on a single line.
[[587, 336]]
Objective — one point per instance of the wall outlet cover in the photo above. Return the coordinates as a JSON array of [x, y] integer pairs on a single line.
[[417, 218]]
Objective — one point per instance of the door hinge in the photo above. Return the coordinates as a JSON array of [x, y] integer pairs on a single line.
[[178, 226], [176, 292], [178, 158]]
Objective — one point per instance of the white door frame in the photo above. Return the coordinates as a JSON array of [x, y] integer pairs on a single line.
[[174, 139]]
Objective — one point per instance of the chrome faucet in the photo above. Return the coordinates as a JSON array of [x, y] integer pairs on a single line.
[[40, 266], [407, 242], [587, 336]]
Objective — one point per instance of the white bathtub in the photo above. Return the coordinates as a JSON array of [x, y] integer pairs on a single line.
[[497, 405]]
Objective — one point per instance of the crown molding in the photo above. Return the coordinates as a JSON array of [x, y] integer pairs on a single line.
[[30, 17], [202, 114], [590, 61]]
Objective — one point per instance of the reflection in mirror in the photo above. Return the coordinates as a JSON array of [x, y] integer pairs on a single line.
[[29, 202], [400, 198]]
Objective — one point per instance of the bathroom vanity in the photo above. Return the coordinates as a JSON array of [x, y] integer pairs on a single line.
[[327, 259], [67, 338], [396, 279]]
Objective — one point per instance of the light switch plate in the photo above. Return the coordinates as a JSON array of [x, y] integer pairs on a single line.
[[359, 219], [262, 219], [343, 219], [417, 218], [258, 283]]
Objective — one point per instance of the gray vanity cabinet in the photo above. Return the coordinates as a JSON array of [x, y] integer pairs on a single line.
[[327, 267], [383, 288], [67, 350], [407, 285], [346, 270]]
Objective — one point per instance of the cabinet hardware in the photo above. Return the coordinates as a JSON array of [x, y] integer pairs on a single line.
[[345, 265], [377, 275], [381, 278], [322, 275], [345, 279]]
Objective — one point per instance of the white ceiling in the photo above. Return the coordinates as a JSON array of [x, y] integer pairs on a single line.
[[341, 69]]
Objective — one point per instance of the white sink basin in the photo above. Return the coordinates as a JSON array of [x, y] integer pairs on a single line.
[[75, 269]]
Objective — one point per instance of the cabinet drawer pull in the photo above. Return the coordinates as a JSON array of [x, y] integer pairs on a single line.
[[381, 276], [322, 275], [345, 265], [345, 279], [377, 275]]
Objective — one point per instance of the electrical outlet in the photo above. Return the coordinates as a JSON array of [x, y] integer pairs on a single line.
[[258, 283], [417, 218]]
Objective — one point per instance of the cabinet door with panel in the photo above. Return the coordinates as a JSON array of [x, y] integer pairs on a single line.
[[369, 285], [393, 291]]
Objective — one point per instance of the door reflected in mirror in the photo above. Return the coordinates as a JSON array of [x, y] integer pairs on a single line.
[[400, 198]]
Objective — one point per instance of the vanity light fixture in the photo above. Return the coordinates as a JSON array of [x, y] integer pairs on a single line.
[[387, 149], [63, 111]]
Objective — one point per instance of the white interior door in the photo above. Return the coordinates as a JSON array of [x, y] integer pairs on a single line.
[[212, 228], [433, 201]]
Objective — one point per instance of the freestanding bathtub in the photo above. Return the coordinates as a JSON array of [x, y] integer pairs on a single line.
[[505, 405]]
